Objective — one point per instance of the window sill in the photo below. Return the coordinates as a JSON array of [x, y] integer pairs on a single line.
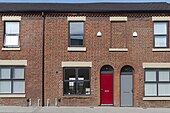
[[77, 97], [11, 49], [161, 50], [156, 98], [12, 95], [76, 49], [118, 49]]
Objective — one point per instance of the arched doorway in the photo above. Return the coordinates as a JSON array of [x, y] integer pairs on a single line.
[[106, 85], [126, 86]]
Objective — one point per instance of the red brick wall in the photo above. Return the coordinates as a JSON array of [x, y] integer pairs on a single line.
[[31, 44], [114, 35], [118, 35]]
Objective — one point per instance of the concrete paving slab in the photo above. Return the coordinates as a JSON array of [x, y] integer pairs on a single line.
[[16, 109], [102, 110]]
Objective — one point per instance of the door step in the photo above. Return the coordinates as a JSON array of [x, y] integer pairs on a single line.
[[106, 105]]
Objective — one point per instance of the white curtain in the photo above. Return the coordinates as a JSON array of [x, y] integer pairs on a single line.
[[5, 73], [163, 75], [12, 27], [12, 33], [164, 89], [18, 73], [5, 86], [150, 75], [160, 28], [19, 87], [76, 28], [11, 40], [150, 89], [160, 41]]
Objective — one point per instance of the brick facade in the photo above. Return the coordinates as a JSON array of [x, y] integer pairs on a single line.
[[31, 43], [114, 35]]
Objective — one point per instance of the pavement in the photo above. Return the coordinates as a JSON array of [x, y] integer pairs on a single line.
[[16, 109]]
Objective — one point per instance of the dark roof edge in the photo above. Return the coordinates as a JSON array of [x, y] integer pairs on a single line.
[[81, 2], [51, 11]]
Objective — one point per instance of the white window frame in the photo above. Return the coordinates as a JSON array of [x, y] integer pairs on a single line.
[[17, 35], [12, 79], [71, 34], [157, 82], [156, 35]]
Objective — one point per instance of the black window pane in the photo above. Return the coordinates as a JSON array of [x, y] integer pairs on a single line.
[[127, 69], [83, 74], [77, 42], [69, 88], [76, 81], [78, 37], [107, 68], [76, 28], [83, 88], [70, 74]]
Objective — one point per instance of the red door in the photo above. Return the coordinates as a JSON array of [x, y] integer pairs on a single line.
[[106, 89]]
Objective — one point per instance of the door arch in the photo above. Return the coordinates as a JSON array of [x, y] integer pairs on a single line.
[[106, 85], [126, 86]]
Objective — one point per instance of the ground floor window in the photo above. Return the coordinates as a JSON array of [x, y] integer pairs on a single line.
[[157, 82], [12, 80], [76, 81]]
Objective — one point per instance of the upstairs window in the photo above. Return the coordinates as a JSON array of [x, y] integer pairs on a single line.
[[11, 38], [160, 34], [76, 34]]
